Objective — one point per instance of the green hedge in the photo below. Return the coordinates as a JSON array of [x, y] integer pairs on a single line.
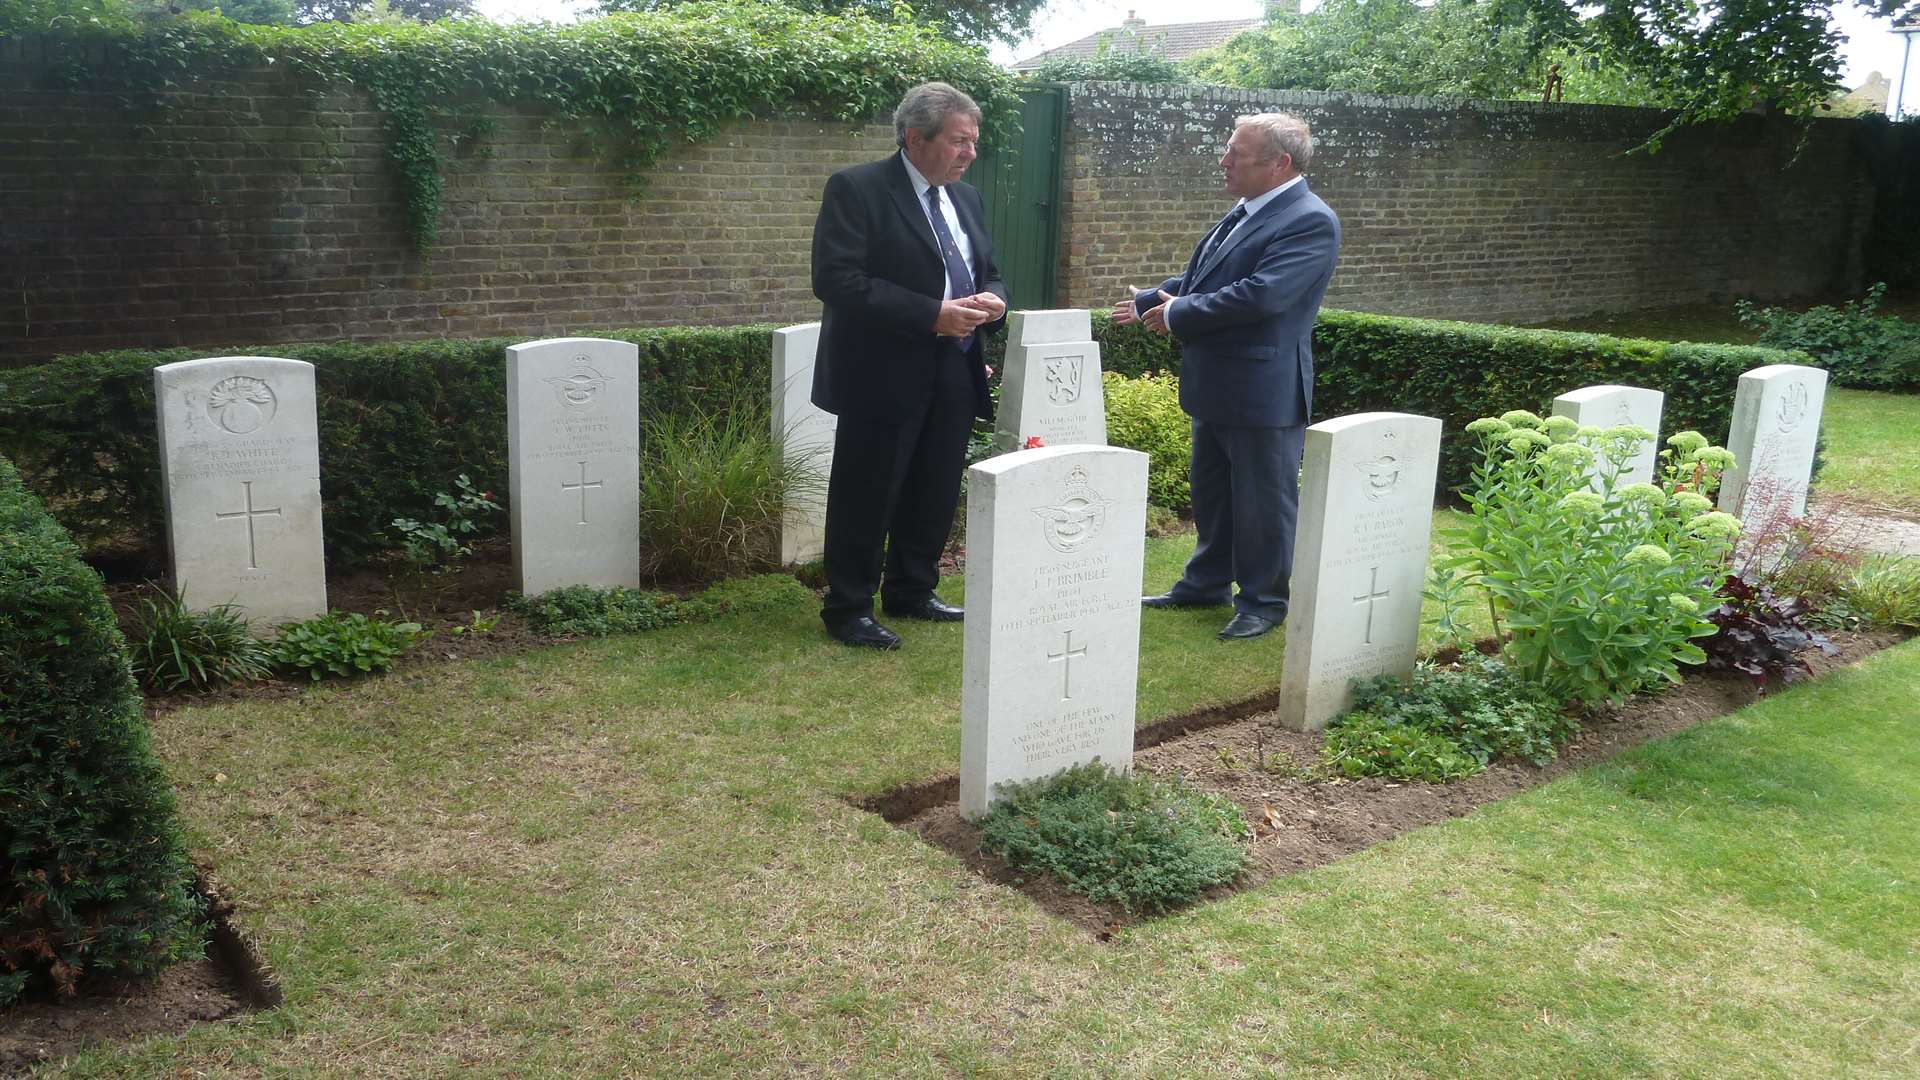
[[94, 877], [1460, 372], [398, 423]]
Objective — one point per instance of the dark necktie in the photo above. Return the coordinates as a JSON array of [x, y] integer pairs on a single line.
[[959, 278], [1220, 232]]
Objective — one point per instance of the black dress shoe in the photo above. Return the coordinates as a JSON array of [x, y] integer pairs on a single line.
[[1243, 625], [864, 631], [1169, 600], [930, 609]]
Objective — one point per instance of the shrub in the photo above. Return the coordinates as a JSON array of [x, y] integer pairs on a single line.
[[1145, 844], [1444, 724], [713, 488], [400, 422], [1140, 64], [1859, 348], [173, 647], [94, 877], [1602, 590], [1144, 414], [1885, 590], [1759, 634], [343, 645]]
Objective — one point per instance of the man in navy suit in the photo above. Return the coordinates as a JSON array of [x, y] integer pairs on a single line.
[[1244, 312], [903, 264]]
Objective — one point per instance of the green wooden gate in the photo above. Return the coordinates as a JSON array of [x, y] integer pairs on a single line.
[[1021, 187]]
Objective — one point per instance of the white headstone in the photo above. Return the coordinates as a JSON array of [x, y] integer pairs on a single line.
[[1051, 387], [1616, 406], [805, 433], [1360, 560], [240, 464], [573, 459], [1776, 419], [1056, 542]]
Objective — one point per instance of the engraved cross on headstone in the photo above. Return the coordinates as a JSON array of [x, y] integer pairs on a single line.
[[253, 550], [582, 487], [1065, 658], [1369, 597]]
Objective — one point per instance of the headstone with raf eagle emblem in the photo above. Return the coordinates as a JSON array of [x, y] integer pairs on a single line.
[[1360, 559], [1056, 541], [573, 451], [1775, 427], [1051, 389], [240, 466]]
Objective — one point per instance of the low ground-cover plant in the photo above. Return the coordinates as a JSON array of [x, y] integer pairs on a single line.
[[94, 876], [1144, 414], [1860, 349], [173, 646], [1148, 845], [1760, 634], [342, 645], [1445, 724], [585, 611], [1602, 587]]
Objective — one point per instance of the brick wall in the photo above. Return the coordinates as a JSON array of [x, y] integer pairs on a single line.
[[1475, 210], [254, 212]]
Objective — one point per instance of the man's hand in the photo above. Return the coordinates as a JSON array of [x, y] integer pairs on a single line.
[[1123, 311], [987, 302], [1156, 317], [958, 318]]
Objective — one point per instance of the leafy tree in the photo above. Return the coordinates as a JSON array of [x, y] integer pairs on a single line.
[[1140, 63], [313, 11], [1705, 59], [974, 21]]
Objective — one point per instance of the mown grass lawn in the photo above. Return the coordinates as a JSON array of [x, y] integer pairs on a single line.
[[1872, 438], [638, 857]]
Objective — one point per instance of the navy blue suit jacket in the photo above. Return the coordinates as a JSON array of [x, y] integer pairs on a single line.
[[1246, 327], [878, 271]]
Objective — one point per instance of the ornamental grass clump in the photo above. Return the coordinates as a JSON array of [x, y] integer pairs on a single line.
[[1148, 845], [1602, 585]]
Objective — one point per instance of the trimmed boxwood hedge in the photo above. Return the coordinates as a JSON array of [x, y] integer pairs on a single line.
[[94, 876], [399, 422]]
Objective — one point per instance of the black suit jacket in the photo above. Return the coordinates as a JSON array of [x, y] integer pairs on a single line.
[[877, 268]]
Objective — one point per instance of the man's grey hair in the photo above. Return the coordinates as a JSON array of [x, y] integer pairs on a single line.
[[926, 107], [1281, 133]]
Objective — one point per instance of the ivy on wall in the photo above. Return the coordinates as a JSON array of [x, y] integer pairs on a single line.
[[637, 84]]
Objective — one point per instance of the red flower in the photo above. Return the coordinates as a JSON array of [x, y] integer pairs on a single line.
[[1034, 442]]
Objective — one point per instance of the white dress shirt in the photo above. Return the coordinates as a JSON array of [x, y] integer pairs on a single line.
[[947, 211]]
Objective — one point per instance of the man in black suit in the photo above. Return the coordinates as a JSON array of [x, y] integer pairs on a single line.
[[902, 261], [1244, 312]]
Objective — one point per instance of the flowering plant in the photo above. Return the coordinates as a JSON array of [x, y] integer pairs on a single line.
[[1602, 584]]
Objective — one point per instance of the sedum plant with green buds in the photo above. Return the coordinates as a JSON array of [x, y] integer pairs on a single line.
[[1602, 585]]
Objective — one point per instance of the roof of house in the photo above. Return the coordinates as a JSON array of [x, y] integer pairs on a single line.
[[1172, 41]]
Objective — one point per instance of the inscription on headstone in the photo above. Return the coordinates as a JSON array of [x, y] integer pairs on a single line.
[[1051, 387], [1614, 406], [1056, 543], [1360, 560], [573, 452], [240, 466], [1776, 421], [805, 433]]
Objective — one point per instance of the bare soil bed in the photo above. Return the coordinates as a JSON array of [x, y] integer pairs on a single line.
[[1303, 818]]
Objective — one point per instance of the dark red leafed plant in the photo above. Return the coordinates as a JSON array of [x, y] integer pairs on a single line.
[[1762, 636]]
